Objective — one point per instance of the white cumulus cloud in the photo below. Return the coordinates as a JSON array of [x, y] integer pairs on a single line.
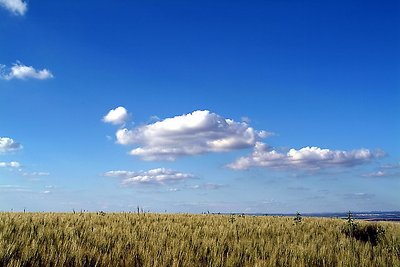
[[12, 164], [304, 158], [9, 145], [21, 71], [195, 133], [157, 176], [17, 7], [116, 116]]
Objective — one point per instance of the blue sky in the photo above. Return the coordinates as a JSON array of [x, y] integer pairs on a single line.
[[194, 106]]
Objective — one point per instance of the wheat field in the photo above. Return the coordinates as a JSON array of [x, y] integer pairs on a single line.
[[125, 239]]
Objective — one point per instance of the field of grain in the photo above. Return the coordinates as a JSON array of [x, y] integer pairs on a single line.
[[124, 239]]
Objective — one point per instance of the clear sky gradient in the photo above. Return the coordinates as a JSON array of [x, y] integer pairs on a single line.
[[195, 106]]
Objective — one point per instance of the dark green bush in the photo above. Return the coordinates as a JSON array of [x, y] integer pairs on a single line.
[[298, 218], [367, 232]]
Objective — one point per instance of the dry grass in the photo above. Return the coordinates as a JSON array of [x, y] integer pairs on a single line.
[[89, 239]]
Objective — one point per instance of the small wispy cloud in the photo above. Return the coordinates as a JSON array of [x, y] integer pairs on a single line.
[[298, 188], [385, 170], [16, 7], [311, 158], [173, 189], [22, 72], [9, 145], [207, 186], [382, 174], [391, 166], [9, 186], [36, 174], [12, 164], [376, 174], [159, 176], [13, 188], [361, 196]]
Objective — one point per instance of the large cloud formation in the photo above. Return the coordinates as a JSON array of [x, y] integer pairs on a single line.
[[304, 158], [195, 133], [9, 145], [157, 176], [203, 132], [17, 7], [22, 72]]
